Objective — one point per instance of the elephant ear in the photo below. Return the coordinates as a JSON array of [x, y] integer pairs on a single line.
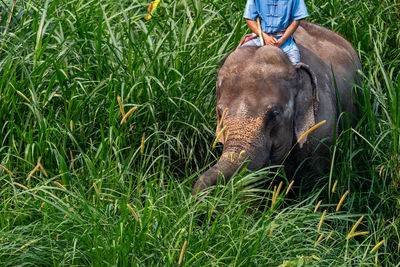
[[306, 102]]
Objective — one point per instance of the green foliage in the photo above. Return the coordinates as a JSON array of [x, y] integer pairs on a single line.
[[63, 65]]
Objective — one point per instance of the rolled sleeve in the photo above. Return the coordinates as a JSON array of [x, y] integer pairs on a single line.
[[299, 10], [250, 11]]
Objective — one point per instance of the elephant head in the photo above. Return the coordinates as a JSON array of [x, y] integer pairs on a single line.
[[264, 104]]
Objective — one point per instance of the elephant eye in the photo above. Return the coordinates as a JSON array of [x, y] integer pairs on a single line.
[[274, 114]]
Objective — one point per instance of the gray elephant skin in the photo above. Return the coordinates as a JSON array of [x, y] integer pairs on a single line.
[[264, 104]]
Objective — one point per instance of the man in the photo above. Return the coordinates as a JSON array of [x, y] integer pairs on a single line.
[[279, 19]]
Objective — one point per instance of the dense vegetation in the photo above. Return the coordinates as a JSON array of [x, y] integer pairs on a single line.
[[77, 187]]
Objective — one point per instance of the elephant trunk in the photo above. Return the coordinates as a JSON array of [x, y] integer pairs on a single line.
[[230, 162], [246, 142], [223, 168]]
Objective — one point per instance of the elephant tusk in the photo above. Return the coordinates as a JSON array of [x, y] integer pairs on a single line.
[[310, 130]]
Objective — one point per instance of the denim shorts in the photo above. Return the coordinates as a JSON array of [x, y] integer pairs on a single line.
[[289, 48]]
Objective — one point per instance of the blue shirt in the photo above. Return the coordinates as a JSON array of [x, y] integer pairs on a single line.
[[275, 15]]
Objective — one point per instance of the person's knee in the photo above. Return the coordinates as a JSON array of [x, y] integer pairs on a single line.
[[294, 59], [294, 56], [253, 42]]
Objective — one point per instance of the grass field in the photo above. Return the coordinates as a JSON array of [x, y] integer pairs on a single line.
[[77, 187]]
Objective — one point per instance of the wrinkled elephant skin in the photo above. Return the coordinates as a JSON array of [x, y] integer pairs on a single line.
[[264, 104]]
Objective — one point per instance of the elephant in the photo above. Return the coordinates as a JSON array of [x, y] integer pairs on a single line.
[[265, 104]]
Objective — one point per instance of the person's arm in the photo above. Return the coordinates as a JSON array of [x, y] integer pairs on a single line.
[[298, 12], [289, 31], [269, 40]]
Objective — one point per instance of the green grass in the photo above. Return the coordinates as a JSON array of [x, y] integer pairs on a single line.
[[63, 65]]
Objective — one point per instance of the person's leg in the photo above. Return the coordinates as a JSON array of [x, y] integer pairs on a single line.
[[253, 42], [291, 50], [293, 54]]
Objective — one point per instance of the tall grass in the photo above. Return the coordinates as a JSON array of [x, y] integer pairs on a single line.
[[119, 194]]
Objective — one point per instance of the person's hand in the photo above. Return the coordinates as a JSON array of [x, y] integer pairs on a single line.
[[279, 43], [269, 40]]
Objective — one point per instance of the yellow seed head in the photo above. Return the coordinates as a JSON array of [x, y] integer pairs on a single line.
[[322, 220], [278, 190], [226, 136], [60, 185], [133, 212], [125, 117], [23, 96], [354, 228], [42, 169], [24, 246], [182, 251], [357, 234], [20, 185], [319, 239], [142, 144], [380, 172], [95, 188], [329, 236], [32, 172], [276, 194], [334, 186], [310, 130], [109, 200], [121, 106], [72, 159], [377, 246], [317, 206], [272, 229], [216, 139], [7, 170], [341, 200], [223, 117], [290, 186]]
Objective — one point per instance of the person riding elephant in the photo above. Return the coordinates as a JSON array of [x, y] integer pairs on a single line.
[[265, 104], [278, 20]]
